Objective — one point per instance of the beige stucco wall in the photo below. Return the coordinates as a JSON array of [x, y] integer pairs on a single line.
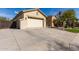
[[53, 18], [49, 21], [34, 13], [25, 22], [22, 20]]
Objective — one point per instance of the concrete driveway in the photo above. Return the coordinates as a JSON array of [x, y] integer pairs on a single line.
[[44, 39]]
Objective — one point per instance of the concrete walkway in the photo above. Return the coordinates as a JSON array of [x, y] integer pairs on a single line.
[[46, 39]]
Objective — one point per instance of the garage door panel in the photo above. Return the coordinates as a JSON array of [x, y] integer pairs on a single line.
[[35, 23]]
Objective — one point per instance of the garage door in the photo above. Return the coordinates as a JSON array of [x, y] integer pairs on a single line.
[[35, 23]]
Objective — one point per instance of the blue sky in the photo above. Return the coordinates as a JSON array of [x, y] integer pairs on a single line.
[[11, 12]]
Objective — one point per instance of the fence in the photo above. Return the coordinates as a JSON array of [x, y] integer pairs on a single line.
[[5, 24]]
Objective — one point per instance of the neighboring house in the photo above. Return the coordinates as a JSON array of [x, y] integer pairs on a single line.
[[30, 19], [50, 21]]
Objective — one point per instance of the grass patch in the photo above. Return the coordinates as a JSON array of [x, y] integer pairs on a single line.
[[74, 30]]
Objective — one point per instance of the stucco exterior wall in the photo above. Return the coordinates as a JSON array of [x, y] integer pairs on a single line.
[[34, 13], [53, 18], [23, 23], [22, 20], [50, 20]]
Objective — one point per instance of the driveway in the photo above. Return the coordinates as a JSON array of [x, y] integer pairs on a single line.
[[43, 39]]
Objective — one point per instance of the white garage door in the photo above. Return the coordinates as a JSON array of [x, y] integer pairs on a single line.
[[35, 23]]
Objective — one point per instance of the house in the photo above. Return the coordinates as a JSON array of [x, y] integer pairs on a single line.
[[30, 19], [50, 21]]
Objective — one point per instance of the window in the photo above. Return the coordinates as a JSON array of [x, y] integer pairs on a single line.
[[25, 18], [36, 13]]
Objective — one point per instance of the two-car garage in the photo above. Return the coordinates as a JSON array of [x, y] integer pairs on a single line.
[[35, 23], [30, 19], [32, 23]]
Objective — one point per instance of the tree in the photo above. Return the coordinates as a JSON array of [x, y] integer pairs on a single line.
[[3, 18], [69, 16], [59, 19]]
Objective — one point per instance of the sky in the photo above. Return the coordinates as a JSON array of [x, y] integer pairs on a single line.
[[11, 12]]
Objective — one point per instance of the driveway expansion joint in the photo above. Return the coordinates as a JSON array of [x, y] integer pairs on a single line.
[[15, 40]]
